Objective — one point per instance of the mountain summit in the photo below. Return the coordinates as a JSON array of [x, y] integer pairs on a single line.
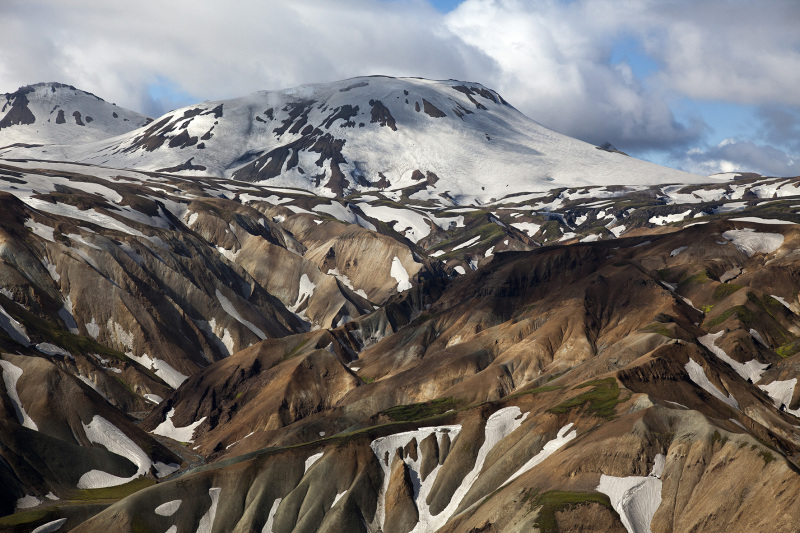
[[55, 113], [445, 141]]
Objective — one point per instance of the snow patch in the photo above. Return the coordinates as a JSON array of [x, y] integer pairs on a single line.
[[14, 329], [103, 432], [564, 436], [26, 502], [271, 517], [751, 370], [400, 274], [635, 498], [171, 377], [311, 460], [528, 228], [11, 374], [750, 241], [51, 527], [698, 376], [169, 508], [204, 526], [181, 434], [781, 393], [338, 497], [470, 242], [676, 251], [231, 310]]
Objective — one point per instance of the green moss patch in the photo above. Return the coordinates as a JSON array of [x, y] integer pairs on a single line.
[[419, 411], [724, 290], [600, 400], [554, 501]]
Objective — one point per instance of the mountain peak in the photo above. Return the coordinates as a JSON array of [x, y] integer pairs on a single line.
[[56, 113]]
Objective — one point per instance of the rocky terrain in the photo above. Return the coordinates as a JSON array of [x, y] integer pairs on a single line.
[[332, 327]]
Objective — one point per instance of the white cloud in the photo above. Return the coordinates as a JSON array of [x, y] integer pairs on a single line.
[[739, 156], [550, 58]]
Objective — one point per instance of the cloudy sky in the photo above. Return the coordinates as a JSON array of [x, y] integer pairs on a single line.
[[701, 85]]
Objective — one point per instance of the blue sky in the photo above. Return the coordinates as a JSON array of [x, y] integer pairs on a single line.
[[701, 85]]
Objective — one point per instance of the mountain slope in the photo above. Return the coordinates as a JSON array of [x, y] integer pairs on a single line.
[[181, 351], [445, 141], [54, 113]]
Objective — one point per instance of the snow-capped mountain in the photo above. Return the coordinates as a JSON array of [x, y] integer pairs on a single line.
[[54, 113], [446, 141]]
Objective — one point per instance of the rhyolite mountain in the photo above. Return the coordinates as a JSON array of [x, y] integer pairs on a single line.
[[376, 343]]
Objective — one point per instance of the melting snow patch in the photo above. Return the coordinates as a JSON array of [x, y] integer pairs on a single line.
[[181, 434], [751, 370], [304, 292], [338, 497], [51, 349], [39, 229], [155, 398], [311, 460], [698, 376], [51, 527], [460, 269], [666, 219], [750, 241], [564, 436], [781, 393], [489, 252], [676, 251], [438, 253], [231, 310], [204, 526], [169, 508], [470, 242], [528, 228], [619, 230], [115, 441], [784, 302], [762, 220], [164, 469], [14, 329], [400, 274], [171, 377], [635, 498], [271, 517], [11, 375], [26, 502], [388, 445]]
